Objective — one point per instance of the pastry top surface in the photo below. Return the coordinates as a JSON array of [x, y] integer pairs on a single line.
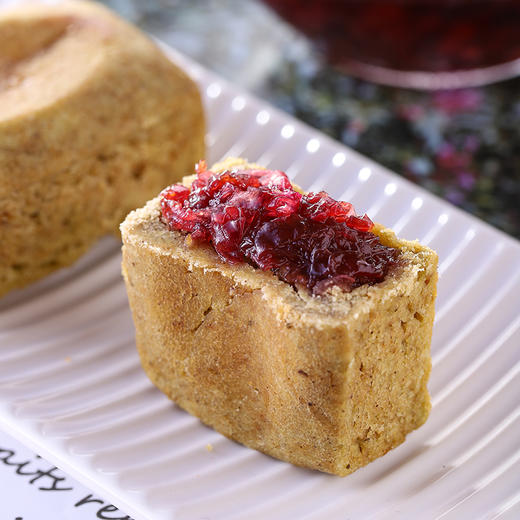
[[145, 227], [48, 52]]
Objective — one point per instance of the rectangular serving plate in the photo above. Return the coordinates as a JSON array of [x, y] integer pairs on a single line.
[[72, 389]]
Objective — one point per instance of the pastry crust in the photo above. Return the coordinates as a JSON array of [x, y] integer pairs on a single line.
[[329, 382], [94, 121]]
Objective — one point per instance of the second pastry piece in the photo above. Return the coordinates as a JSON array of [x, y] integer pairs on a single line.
[[94, 120]]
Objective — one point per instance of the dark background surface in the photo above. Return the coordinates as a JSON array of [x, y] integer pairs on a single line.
[[463, 144]]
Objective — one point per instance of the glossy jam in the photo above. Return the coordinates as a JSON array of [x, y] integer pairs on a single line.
[[256, 216]]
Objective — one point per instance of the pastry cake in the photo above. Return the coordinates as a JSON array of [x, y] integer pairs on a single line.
[[94, 121], [328, 379]]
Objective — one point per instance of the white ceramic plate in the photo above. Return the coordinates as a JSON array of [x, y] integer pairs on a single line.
[[72, 389]]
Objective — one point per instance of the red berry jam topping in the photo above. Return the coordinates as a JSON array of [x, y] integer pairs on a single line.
[[256, 216]]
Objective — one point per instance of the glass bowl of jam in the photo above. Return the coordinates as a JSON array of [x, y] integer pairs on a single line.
[[428, 44]]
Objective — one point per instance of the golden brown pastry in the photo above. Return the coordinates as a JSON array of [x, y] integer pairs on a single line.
[[94, 120], [329, 382]]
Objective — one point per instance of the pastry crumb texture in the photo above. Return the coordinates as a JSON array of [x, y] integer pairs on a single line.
[[329, 383]]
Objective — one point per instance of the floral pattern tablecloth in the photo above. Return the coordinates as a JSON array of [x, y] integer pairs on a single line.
[[463, 145]]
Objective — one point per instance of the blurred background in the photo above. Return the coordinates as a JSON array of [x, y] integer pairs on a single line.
[[430, 89], [450, 119]]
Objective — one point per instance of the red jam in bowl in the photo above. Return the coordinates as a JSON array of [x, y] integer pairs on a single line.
[[256, 216]]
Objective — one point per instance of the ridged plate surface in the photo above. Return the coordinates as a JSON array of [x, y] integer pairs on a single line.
[[71, 386]]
